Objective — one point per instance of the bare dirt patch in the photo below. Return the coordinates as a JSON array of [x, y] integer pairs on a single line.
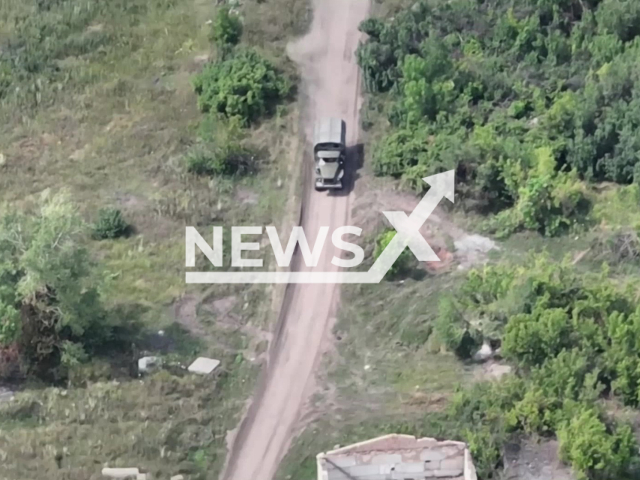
[[535, 461], [185, 313], [453, 245]]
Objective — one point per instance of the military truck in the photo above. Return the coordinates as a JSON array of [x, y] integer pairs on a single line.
[[329, 153]]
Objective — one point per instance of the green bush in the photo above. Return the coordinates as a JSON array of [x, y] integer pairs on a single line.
[[454, 332], [546, 200], [245, 86], [226, 28], [403, 263], [412, 154], [231, 159], [593, 450], [110, 224]]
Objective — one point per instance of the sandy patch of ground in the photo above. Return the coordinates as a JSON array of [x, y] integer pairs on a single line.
[[453, 245]]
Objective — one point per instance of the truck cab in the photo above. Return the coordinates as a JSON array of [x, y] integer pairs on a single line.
[[329, 153]]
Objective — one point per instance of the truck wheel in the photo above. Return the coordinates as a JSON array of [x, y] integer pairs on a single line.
[[319, 189]]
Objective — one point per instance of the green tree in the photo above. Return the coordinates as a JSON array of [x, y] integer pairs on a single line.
[[50, 305]]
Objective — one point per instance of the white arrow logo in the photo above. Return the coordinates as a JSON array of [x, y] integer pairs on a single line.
[[408, 228], [408, 235]]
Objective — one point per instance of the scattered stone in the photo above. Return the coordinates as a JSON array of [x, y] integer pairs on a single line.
[[200, 59], [95, 28], [3, 159], [177, 477], [148, 364], [204, 366], [120, 472], [474, 244], [473, 249]]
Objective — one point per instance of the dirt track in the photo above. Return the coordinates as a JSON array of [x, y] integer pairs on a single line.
[[326, 57]]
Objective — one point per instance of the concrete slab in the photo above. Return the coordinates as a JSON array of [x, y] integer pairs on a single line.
[[204, 365], [120, 472]]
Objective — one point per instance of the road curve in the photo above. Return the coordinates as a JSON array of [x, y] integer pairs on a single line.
[[330, 87]]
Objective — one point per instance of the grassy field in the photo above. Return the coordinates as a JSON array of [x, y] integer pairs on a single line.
[[96, 98]]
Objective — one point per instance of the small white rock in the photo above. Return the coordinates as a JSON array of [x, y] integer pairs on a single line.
[[161, 333], [147, 364], [120, 472], [3, 159], [177, 477], [204, 366], [367, 367]]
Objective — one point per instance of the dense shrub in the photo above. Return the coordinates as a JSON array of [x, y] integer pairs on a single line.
[[454, 332], [110, 224], [573, 338], [410, 153], [486, 88], [227, 160], [226, 28], [593, 449], [245, 86], [402, 263]]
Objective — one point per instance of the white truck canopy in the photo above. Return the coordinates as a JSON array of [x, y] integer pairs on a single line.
[[330, 131]]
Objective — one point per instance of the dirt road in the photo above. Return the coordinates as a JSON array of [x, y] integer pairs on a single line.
[[326, 57]]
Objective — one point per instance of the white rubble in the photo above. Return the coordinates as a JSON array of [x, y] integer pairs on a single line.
[[484, 353], [147, 364], [204, 365], [121, 472]]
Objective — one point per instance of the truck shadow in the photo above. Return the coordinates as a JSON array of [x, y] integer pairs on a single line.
[[354, 161]]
